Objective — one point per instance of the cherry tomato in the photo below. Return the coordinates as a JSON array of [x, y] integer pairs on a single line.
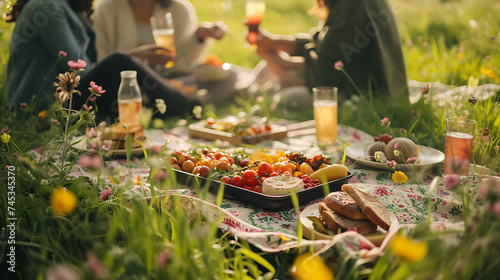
[[223, 164], [226, 180], [273, 174], [188, 166], [237, 181], [250, 178], [265, 169], [202, 171]]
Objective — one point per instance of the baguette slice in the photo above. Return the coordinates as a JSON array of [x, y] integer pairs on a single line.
[[371, 207], [335, 222], [342, 204], [119, 133]]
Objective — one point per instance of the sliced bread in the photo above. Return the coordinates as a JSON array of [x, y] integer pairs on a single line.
[[370, 206], [342, 204], [336, 222]]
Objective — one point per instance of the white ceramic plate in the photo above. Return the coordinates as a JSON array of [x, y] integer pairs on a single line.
[[310, 233], [428, 157], [82, 145]]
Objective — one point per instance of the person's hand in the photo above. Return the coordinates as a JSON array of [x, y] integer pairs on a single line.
[[217, 30], [265, 40], [154, 54]]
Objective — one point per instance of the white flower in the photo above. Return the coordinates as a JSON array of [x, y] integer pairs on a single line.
[[160, 104], [197, 111]]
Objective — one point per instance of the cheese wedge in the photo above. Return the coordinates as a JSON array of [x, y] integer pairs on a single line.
[[282, 185]]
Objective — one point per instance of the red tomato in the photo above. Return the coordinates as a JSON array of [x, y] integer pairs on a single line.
[[274, 174], [237, 181], [265, 169], [226, 180], [250, 178]]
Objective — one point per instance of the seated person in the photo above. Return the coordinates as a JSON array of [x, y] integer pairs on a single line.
[[362, 34], [45, 27], [125, 24]]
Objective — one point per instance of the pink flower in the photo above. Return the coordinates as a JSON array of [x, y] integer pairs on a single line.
[[105, 193], [92, 133], [409, 43], [54, 121], [402, 130], [87, 161], [162, 259], [384, 121], [93, 98], [161, 175], [96, 88], [415, 112], [411, 160], [495, 208], [425, 89], [5, 129], [339, 65], [106, 145], [396, 146], [96, 266], [451, 181], [78, 64], [24, 104], [487, 57], [63, 53], [391, 163]]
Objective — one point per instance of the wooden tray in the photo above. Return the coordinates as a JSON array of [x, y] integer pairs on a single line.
[[277, 132]]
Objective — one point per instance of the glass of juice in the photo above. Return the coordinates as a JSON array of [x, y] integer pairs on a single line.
[[325, 114], [458, 146], [163, 33], [255, 10]]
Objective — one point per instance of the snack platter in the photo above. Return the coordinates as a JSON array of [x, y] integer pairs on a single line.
[[269, 202], [199, 130]]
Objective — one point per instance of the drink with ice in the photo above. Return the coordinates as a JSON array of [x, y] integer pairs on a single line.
[[255, 10], [325, 114], [128, 111], [457, 150]]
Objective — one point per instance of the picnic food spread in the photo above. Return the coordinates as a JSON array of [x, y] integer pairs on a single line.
[[348, 209], [277, 173]]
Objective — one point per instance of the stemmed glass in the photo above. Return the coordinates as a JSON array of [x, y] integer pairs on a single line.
[[255, 10], [163, 33]]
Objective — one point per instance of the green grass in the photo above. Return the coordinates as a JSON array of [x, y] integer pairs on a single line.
[[444, 48]]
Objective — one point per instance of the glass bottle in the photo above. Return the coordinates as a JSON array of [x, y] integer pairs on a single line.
[[129, 99]]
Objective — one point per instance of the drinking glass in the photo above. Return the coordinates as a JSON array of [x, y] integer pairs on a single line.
[[163, 33], [458, 146], [255, 10], [325, 114]]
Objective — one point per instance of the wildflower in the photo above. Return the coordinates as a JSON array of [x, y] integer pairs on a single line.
[[391, 163], [160, 175], [384, 121], [162, 259], [5, 129], [402, 130], [68, 82], [399, 177], [451, 181], [63, 201], [96, 267], [88, 108], [339, 65], [197, 111], [396, 146], [408, 249], [42, 114], [487, 57], [396, 153], [55, 121], [380, 156], [160, 104], [307, 266], [96, 88], [44, 182], [425, 89], [105, 193], [138, 181], [62, 54], [92, 133], [411, 160], [488, 72], [473, 100], [5, 138], [485, 135], [495, 208], [92, 99], [415, 112], [80, 64], [409, 43], [87, 161], [24, 104], [106, 144]]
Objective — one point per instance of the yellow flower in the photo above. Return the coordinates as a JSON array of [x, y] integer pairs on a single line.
[[5, 138], [63, 202], [399, 177], [488, 72], [408, 249], [42, 114], [308, 267]]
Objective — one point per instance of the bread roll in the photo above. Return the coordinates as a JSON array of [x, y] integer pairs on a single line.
[[342, 204], [336, 222]]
